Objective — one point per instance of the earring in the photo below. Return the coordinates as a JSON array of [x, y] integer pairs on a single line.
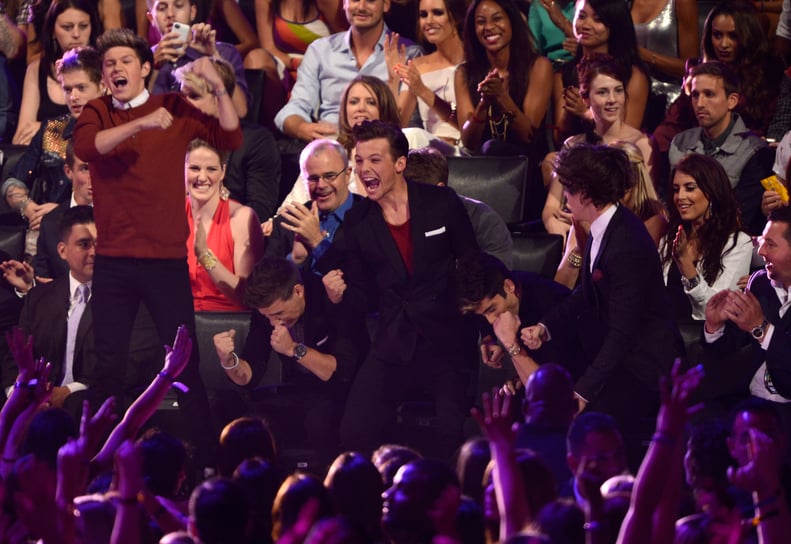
[[225, 194]]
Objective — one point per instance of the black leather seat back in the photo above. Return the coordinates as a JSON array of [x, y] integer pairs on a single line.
[[500, 182]]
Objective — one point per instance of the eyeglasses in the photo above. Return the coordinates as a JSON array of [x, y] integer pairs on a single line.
[[328, 177]]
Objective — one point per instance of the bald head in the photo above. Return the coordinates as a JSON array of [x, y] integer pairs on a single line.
[[549, 396]]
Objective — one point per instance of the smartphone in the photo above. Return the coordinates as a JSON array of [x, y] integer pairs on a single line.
[[183, 31]]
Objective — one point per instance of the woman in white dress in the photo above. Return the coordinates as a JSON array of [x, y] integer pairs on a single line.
[[428, 80]]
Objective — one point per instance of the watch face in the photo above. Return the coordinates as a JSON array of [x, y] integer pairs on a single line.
[[300, 351], [758, 332]]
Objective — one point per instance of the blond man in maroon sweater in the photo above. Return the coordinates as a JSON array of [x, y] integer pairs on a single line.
[[135, 144]]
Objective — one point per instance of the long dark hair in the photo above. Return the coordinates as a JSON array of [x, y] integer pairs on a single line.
[[520, 61], [50, 48], [622, 43], [759, 71], [723, 221]]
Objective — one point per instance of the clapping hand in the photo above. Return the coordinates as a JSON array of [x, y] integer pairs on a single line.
[[18, 274]]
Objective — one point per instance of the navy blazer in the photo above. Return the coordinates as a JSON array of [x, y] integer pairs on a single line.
[[623, 318], [420, 304], [778, 356]]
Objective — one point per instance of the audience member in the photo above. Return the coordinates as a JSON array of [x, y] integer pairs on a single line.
[[321, 344], [600, 26], [667, 35], [217, 224], [548, 410], [139, 203], [219, 512], [252, 172], [311, 234], [620, 313], [473, 458], [428, 165], [388, 458], [756, 317], [722, 135], [329, 64], [59, 316], [47, 262], [12, 47], [594, 448], [503, 87], [356, 489], [506, 299], [705, 250], [428, 80], [259, 479], [553, 31], [296, 491], [244, 438], [421, 505], [603, 90], [68, 24], [170, 53], [286, 29], [38, 181], [416, 346]]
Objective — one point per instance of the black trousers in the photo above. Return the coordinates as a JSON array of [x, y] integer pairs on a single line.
[[120, 284], [381, 386]]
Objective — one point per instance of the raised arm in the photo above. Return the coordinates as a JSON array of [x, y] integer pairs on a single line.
[[665, 451], [144, 406]]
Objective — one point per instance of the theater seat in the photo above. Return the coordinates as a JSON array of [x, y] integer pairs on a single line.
[[537, 252], [207, 324], [500, 182]]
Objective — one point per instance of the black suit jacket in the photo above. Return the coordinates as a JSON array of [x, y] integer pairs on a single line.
[[47, 263], [777, 357], [420, 304], [620, 310], [253, 172], [44, 316]]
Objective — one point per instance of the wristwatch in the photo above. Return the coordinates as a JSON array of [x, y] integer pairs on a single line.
[[759, 331], [300, 350], [690, 283]]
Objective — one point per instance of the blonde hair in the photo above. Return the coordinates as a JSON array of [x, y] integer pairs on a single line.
[[643, 200], [185, 75]]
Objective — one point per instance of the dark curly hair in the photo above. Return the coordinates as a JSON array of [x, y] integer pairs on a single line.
[[721, 225]]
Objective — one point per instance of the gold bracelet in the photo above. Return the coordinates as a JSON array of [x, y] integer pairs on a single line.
[[208, 260], [574, 259]]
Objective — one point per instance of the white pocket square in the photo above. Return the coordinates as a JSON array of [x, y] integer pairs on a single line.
[[435, 232]]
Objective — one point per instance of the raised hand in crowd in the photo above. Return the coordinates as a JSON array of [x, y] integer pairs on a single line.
[[334, 285]]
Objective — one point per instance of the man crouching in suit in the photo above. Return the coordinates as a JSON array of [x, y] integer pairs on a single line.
[[58, 315], [401, 245]]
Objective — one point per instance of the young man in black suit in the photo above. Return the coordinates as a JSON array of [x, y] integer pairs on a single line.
[[402, 244], [620, 313]]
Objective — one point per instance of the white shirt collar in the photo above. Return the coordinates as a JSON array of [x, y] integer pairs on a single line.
[[139, 100], [600, 224]]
